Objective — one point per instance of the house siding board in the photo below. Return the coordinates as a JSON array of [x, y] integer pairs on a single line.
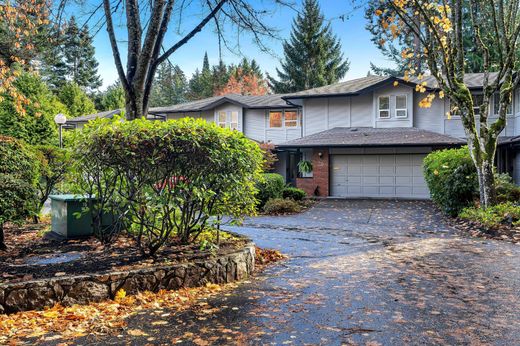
[[254, 124], [362, 111], [315, 115], [432, 118], [339, 112]]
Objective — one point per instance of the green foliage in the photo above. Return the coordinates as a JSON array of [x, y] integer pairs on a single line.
[[293, 193], [277, 206], [270, 186], [37, 125], [313, 56], [76, 101], [452, 179], [111, 99], [71, 58], [495, 216], [18, 176], [166, 178], [170, 86], [506, 188], [53, 165], [305, 166]]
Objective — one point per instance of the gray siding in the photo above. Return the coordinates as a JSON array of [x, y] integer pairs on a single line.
[[315, 116], [206, 115], [229, 107], [255, 124], [430, 119], [516, 169], [362, 111]]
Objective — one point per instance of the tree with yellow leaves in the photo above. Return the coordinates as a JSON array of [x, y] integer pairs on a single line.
[[441, 27], [20, 22]]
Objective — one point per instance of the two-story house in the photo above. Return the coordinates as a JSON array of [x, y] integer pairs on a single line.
[[365, 137]]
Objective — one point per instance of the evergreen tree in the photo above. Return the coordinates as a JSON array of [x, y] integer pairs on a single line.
[[80, 56], [76, 100], [201, 83], [111, 99], [312, 56], [220, 75], [53, 68], [37, 125], [170, 86]]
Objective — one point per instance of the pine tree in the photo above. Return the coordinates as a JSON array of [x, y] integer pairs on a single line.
[[201, 83], [80, 56], [312, 56], [170, 86]]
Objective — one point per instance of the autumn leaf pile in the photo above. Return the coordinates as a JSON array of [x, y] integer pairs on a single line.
[[268, 256], [61, 323]]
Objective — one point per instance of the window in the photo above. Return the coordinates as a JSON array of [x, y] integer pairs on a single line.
[[228, 120], [275, 119], [496, 105], [401, 109], [234, 121], [384, 107], [222, 119], [291, 118], [477, 101]]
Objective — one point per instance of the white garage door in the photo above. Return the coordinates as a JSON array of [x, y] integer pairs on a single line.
[[383, 176]]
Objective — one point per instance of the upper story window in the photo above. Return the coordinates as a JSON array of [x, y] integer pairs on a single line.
[[477, 101], [496, 105], [285, 118], [401, 109], [383, 107], [228, 119]]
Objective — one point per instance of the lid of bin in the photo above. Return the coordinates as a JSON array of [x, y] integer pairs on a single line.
[[68, 197]]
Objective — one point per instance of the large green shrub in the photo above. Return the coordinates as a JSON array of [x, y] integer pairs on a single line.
[[167, 178], [293, 193], [76, 100], [451, 178], [494, 216], [270, 186], [53, 165], [36, 125], [278, 206], [506, 189], [18, 176]]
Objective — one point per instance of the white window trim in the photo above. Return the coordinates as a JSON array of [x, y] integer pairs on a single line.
[[402, 109], [510, 106], [379, 110], [283, 127], [228, 122]]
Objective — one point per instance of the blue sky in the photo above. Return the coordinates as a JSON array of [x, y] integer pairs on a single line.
[[355, 40]]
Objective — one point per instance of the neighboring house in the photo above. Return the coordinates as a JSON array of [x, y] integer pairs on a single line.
[[365, 137]]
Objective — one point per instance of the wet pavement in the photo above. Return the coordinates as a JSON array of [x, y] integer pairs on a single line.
[[359, 273]]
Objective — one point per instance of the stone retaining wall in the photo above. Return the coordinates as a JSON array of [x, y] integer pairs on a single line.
[[38, 294]]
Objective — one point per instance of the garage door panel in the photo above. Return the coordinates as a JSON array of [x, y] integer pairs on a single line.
[[382, 175]]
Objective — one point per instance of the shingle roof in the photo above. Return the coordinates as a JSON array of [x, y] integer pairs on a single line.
[[350, 87], [472, 80], [85, 118], [367, 136], [263, 101], [360, 85]]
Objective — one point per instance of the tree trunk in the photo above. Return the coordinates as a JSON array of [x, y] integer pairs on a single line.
[[134, 104], [486, 181], [2, 238]]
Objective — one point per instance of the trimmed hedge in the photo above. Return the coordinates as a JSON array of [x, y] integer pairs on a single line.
[[271, 186], [281, 206], [293, 193], [452, 179]]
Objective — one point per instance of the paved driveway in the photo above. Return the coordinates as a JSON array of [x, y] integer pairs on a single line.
[[361, 272]]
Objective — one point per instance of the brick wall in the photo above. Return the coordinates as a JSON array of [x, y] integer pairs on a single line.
[[320, 174]]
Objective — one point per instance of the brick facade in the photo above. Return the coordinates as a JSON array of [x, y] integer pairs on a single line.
[[319, 182]]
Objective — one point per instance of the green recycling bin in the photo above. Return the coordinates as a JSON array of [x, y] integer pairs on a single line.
[[64, 216]]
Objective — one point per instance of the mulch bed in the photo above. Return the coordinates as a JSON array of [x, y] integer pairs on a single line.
[[475, 229], [27, 248]]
